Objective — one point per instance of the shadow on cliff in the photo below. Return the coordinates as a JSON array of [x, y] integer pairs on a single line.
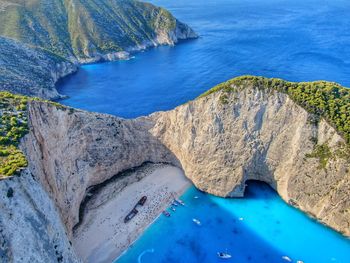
[[265, 191]]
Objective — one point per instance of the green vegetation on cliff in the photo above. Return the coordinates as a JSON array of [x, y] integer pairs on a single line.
[[324, 99], [84, 28], [13, 126]]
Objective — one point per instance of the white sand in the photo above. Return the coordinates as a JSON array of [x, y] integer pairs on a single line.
[[103, 235]]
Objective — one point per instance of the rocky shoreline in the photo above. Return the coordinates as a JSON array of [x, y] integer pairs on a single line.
[[254, 134]]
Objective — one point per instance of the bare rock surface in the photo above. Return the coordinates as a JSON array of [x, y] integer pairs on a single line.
[[252, 135], [70, 150], [258, 135], [31, 229]]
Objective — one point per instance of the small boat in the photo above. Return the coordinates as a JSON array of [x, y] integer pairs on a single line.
[[173, 208], [180, 202], [196, 221], [300, 261], [286, 258], [142, 200], [224, 255], [195, 197], [174, 203], [166, 213], [241, 219]]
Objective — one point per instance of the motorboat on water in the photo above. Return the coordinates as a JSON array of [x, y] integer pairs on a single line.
[[286, 258], [174, 203], [197, 221], [166, 213], [196, 197], [224, 255], [179, 201], [173, 208]]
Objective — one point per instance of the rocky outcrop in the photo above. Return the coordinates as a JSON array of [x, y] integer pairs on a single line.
[[258, 135], [90, 30], [220, 140], [29, 71], [31, 229], [69, 151], [42, 41]]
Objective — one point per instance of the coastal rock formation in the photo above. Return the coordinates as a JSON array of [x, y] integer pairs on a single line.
[[220, 140], [69, 151], [90, 30], [30, 225], [254, 134], [43, 41], [31, 71]]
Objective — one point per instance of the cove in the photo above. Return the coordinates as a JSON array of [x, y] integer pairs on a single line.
[[258, 228], [294, 40]]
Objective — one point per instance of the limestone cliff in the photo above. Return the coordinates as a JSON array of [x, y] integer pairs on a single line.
[[220, 140], [69, 150], [31, 71], [30, 225], [257, 135]]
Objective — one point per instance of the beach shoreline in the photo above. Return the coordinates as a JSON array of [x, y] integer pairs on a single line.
[[103, 236]]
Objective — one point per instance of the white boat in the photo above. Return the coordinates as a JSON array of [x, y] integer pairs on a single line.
[[180, 202], [224, 255], [195, 197], [173, 208], [286, 258], [196, 221]]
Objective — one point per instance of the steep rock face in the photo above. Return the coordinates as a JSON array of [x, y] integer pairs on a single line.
[[264, 136], [31, 229], [69, 150], [29, 71]]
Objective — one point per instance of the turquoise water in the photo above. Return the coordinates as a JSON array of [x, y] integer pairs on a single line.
[[270, 229], [295, 40]]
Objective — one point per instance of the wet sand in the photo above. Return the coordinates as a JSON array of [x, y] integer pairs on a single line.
[[103, 235]]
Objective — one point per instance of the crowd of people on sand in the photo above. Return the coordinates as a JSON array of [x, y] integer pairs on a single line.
[[106, 218]]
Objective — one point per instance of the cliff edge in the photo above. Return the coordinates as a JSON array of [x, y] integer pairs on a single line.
[[246, 129], [237, 134]]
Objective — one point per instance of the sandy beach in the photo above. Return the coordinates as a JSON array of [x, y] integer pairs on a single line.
[[103, 235]]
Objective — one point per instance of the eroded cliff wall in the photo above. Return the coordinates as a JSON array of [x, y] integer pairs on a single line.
[[31, 229], [70, 150], [220, 140], [223, 140]]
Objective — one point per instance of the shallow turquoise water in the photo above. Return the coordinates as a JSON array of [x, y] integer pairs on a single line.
[[295, 40], [270, 229]]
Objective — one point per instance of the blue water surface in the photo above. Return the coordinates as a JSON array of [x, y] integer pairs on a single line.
[[295, 40], [258, 228]]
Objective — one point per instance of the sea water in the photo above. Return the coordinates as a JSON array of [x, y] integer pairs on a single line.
[[258, 228], [295, 40], [298, 40]]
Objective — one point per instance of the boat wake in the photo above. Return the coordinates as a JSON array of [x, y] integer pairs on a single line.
[[143, 253]]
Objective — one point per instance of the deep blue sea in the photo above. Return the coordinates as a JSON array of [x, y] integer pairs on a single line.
[[298, 40], [294, 40]]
